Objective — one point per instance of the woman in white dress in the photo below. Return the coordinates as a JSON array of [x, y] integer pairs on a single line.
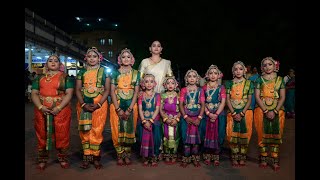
[[156, 65]]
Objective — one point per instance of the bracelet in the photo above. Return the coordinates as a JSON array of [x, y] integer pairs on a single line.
[[185, 116], [265, 111], [129, 109], [99, 105], [40, 107], [207, 113], [242, 114], [178, 119], [217, 113], [200, 117], [59, 107], [83, 104], [118, 109], [144, 121], [234, 113], [275, 111], [164, 119], [151, 120]]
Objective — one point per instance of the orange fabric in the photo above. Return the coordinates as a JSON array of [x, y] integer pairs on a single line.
[[237, 90], [61, 128], [114, 123], [94, 136], [124, 82], [48, 90], [249, 120], [258, 122], [90, 80]]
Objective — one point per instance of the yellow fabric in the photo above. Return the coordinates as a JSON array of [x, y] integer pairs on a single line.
[[258, 123], [229, 129], [94, 136], [114, 123]]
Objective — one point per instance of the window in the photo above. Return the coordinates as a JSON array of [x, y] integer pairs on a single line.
[[110, 41], [102, 41], [110, 53]]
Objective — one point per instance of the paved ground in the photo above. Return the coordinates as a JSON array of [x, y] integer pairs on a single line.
[[136, 171]]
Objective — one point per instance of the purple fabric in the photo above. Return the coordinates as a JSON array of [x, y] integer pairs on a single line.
[[170, 110]]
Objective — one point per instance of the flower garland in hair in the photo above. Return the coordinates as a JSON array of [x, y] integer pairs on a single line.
[[128, 51], [186, 76], [276, 64], [95, 50], [242, 64]]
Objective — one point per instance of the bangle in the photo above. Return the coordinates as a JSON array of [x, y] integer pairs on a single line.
[[99, 105], [59, 107], [234, 113], [265, 111], [217, 113], [207, 113], [83, 104], [200, 117], [242, 114], [129, 109], [275, 111], [144, 121], [185, 116], [118, 109], [164, 119], [40, 107], [178, 119], [151, 120]]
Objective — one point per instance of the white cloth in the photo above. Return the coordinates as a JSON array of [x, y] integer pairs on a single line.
[[159, 70]]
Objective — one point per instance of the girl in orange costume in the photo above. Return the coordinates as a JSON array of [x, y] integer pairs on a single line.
[[240, 116], [51, 94], [124, 110], [92, 90], [269, 116]]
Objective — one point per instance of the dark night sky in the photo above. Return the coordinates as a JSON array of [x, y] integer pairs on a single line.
[[196, 35]]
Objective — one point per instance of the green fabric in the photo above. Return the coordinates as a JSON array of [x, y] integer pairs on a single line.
[[66, 84], [135, 80], [49, 131], [84, 115], [271, 127], [126, 126]]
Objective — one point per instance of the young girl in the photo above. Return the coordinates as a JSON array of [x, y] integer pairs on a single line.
[[92, 89], [191, 104], [215, 95], [150, 127], [240, 115], [170, 114], [51, 94], [269, 116], [124, 111]]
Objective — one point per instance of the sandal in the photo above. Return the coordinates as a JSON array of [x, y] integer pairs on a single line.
[[146, 163], [276, 167], [96, 162]]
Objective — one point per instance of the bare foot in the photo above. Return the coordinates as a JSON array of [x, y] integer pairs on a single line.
[[127, 161], [41, 166], [242, 163], [120, 162], [235, 163]]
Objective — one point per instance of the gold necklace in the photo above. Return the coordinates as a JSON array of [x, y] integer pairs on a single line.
[[192, 99], [49, 77], [209, 95], [148, 103]]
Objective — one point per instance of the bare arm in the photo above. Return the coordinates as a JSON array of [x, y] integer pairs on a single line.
[[135, 96], [229, 103], [78, 91], [258, 99], [248, 104], [114, 96], [221, 106]]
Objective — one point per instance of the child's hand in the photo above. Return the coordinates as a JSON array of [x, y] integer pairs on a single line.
[[174, 122]]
